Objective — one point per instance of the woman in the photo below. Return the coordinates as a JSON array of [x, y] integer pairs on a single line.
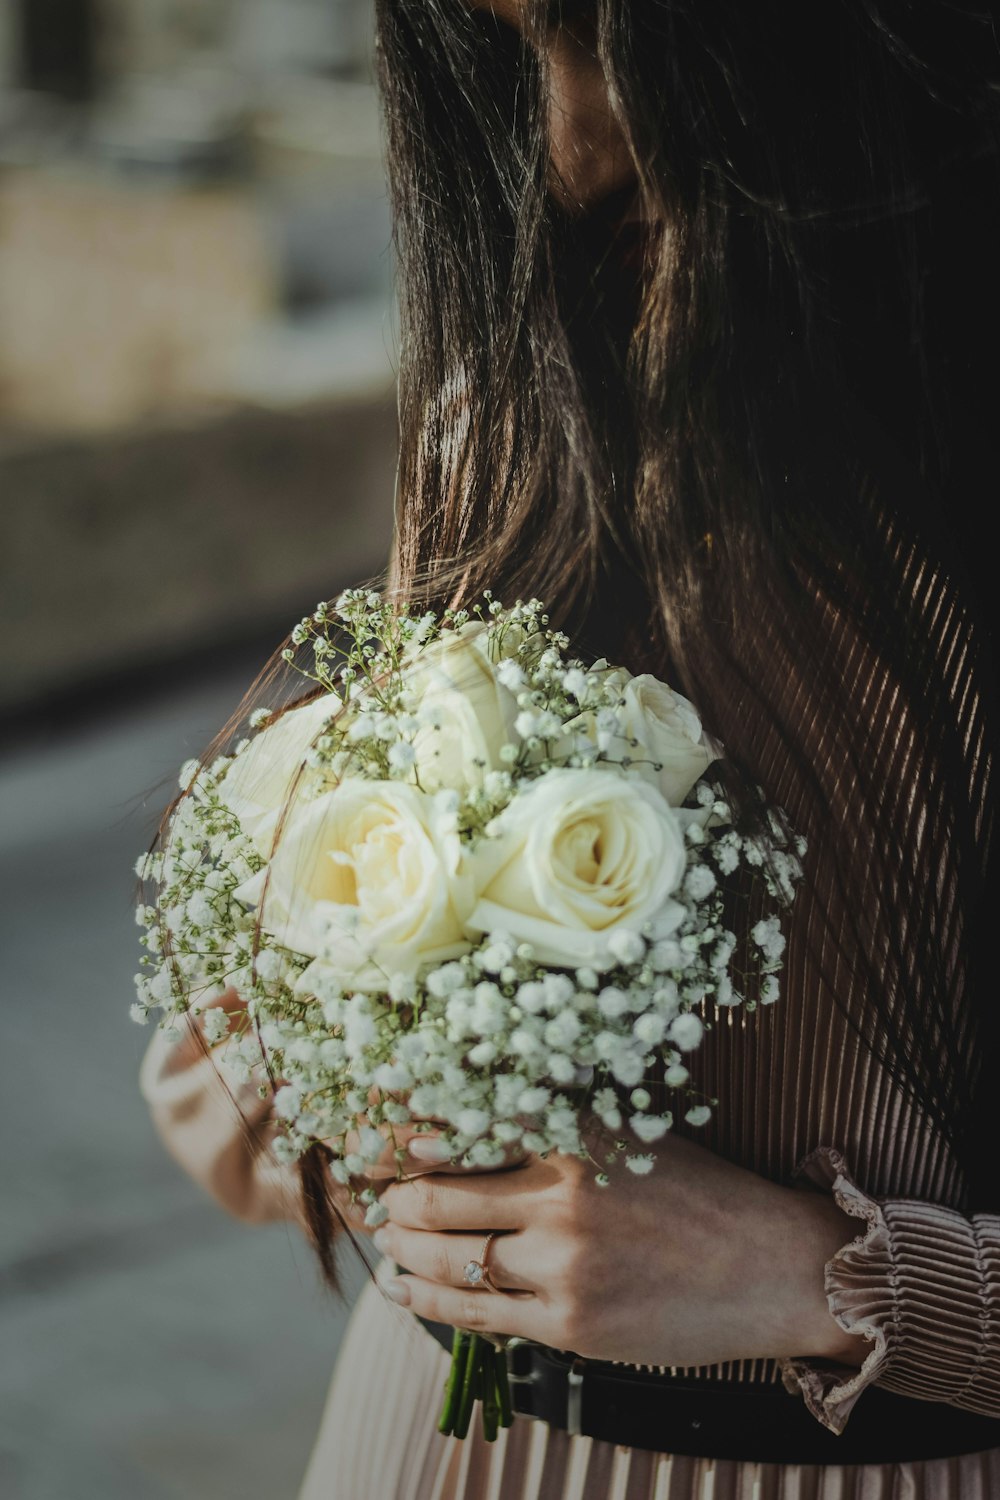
[[699, 317]]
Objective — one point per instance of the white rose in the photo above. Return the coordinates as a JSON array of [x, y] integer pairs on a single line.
[[669, 732], [579, 856], [258, 783], [455, 683], [362, 882]]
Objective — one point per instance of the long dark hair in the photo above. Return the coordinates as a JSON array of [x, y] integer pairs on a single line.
[[744, 446]]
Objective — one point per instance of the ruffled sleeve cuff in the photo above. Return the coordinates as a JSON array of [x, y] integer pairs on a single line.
[[921, 1284]]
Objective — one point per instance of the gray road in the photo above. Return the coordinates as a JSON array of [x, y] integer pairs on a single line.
[[150, 1348]]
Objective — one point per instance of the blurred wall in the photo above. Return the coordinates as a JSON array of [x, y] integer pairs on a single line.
[[197, 429]]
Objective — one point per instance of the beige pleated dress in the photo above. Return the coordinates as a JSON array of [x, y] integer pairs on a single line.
[[798, 1092]]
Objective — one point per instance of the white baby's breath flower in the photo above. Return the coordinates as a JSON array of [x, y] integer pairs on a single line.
[[724, 992], [531, 997], [286, 1150], [473, 1122], [649, 1128], [699, 882], [666, 955], [287, 1102], [498, 785], [627, 1067], [640, 1165], [612, 1002], [699, 1115], [270, 965], [215, 1024], [686, 1031], [559, 992], [496, 955], [402, 756], [769, 938], [489, 1010], [393, 1077], [575, 683], [563, 1031], [371, 1143], [446, 980], [649, 1029], [511, 674], [526, 1043], [627, 947], [562, 1069]]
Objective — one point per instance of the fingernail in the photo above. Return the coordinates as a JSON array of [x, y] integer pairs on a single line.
[[380, 1239], [398, 1291], [429, 1148]]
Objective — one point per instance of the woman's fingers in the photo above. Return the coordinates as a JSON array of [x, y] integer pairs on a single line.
[[444, 1257], [511, 1313], [411, 1152], [473, 1201], [432, 1155]]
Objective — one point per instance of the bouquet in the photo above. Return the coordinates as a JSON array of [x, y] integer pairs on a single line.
[[471, 880]]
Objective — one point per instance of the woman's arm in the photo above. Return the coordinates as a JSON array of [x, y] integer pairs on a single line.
[[215, 1127], [219, 1129]]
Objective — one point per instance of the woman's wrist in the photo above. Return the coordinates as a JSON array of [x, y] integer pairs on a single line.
[[822, 1228]]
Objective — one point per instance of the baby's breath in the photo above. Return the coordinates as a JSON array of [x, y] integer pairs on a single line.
[[505, 1050]]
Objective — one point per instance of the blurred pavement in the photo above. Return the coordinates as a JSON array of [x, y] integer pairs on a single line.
[[150, 1348]]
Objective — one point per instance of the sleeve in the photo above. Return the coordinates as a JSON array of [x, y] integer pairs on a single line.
[[217, 1128], [922, 1285]]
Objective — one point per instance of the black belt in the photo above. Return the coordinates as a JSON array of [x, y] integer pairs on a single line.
[[728, 1419]]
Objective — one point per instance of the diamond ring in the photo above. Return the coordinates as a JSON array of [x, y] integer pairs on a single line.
[[476, 1272]]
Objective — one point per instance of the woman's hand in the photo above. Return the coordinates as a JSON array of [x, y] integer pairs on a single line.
[[699, 1262]]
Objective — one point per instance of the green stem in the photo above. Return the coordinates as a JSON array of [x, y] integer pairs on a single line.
[[460, 1347], [503, 1388], [478, 1372], [468, 1397], [491, 1404]]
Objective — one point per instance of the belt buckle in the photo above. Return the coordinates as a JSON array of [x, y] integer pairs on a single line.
[[574, 1398], [523, 1373], [520, 1367], [526, 1360]]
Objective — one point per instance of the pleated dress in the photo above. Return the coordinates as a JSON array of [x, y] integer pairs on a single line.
[[800, 1094]]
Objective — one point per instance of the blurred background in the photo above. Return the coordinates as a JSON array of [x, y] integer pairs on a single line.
[[197, 442]]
